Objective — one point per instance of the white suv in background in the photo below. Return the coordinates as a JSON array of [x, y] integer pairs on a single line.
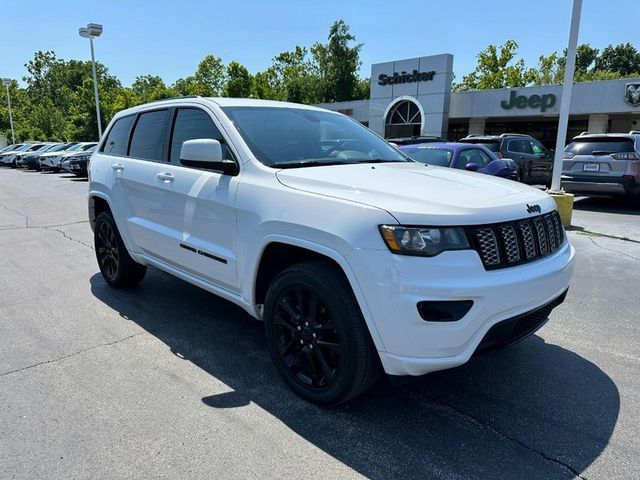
[[358, 259]]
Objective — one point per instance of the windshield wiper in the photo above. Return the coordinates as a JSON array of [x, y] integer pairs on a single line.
[[310, 163]]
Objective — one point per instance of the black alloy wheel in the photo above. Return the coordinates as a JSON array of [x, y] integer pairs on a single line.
[[116, 265], [308, 340], [316, 334], [107, 250]]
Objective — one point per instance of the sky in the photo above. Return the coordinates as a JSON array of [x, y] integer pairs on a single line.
[[169, 38]]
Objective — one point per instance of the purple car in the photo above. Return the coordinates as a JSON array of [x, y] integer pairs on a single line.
[[464, 156]]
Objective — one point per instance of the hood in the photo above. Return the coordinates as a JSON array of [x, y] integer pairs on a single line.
[[418, 194]]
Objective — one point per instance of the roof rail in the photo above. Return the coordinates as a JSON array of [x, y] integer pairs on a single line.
[[634, 132], [175, 98], [502, 135]]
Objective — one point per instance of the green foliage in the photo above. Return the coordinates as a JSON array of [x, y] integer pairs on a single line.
[[623, 59], [239, 81], [497, 67]]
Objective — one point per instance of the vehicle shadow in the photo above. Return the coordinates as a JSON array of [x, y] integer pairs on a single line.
[[534, 410], [607, 205]]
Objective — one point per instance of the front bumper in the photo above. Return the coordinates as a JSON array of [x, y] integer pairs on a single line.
[[392, 286], [599, 185]]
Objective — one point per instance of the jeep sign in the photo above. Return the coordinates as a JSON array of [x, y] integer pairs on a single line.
[[542, 102], [404, 77]]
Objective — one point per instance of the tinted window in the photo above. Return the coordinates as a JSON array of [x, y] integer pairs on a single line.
[[493, 146], [148, 135], [520, 146], [192, 123], [605, 145], [117, 139], [431, 156], [538, 148]]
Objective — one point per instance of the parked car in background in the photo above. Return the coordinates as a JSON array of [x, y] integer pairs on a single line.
[[414, 140], [11, 151], [78, 162], [463, 156], [31, 160], [47, 158], [12, 158], [603, 164], [54, 162], [535, 162], [11, 148]]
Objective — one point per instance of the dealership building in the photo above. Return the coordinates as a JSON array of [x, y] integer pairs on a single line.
[[413, 97]]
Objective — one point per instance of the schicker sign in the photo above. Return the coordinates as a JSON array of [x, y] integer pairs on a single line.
[[404, 77]]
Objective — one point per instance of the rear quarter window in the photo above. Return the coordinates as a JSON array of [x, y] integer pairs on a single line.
[[117, 138], [603, 146]]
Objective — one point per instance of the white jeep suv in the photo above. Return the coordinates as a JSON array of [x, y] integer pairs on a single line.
[[358, 259]]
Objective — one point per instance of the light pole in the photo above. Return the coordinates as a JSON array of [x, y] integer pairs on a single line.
[[7, 82], [91, 31], [565, 102]]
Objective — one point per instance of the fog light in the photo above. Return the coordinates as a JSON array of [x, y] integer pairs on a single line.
[[444, 311]]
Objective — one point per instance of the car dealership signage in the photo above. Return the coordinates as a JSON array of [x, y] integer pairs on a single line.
[[404, 77], [538, 102]]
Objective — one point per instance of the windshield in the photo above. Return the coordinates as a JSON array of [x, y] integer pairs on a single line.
[[8, 148], [75, 147], [294, 137], [432, 156], [57, 148], [87, 146]]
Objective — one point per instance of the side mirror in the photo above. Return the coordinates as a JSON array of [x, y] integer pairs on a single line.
[[206, 153], [472, 167]]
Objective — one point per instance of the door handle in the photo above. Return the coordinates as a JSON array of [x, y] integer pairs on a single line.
[[165, 177], [118, 167]]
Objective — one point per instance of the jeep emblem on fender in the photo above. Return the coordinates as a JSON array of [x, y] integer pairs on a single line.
[[632, 94], [533, 209]]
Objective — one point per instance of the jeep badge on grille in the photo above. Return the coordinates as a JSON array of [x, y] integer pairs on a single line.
[[533, 209]]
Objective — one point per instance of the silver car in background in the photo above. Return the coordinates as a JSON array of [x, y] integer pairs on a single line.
[[605, 164]]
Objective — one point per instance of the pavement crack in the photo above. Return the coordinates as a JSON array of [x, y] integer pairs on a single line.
[[46, 362], [612, 250], [26, 217], [591, 234], [500, 434], [64, 234], [44, 226]]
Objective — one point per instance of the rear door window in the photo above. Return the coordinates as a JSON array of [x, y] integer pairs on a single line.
[[117, 138], [147, 139], [600, 146]]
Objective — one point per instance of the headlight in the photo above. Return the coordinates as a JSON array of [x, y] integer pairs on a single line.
[[423, 241]]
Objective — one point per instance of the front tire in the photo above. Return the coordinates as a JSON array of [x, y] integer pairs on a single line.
[[116, 265], [316, 335]]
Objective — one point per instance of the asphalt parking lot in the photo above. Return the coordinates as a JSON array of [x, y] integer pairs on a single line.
[[168, 381]]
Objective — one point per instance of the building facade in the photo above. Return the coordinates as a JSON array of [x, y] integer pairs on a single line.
[[413, 97]]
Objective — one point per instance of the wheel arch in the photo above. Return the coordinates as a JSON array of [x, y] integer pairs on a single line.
[[278, 253]]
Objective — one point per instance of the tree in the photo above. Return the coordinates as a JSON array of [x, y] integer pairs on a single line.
[[496, 68], [623, 59], [207, 81], [338, 64], [239, 82], [148, 88]]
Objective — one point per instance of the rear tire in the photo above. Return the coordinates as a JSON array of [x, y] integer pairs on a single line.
[[316, 335], [116, 265]]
